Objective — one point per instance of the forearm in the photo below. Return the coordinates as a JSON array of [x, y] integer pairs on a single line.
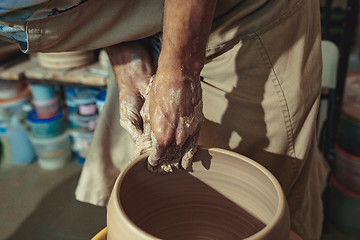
[[132, 67], [186, 29], [131, 64]]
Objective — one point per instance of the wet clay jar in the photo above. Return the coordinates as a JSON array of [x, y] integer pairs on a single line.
[[224, 196]]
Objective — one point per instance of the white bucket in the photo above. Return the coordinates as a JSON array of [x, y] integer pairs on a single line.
[[52, 153]]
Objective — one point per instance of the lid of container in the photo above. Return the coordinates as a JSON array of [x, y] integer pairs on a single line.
[[85, 97], [33, 118], [46, 102], [70, 103], [86, 118], [101, 96]]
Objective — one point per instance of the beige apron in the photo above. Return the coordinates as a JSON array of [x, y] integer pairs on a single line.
[[261, 91], [66, 25]]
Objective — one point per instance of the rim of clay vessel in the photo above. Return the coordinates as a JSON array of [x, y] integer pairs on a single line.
[[281, 215]]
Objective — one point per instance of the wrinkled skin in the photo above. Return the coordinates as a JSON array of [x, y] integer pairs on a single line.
[[170, 120], [175, 102], [133, 68], [173, 109]]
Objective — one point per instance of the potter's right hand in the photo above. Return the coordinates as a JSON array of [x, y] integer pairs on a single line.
[[133, 68], [172, 115]]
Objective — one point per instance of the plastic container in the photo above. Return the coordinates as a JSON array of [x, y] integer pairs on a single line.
[[42, 92], [87, 123], [348, 135], [16, 147], [70, 92], [71, 111], [83, 123], [80, 144], [80, 159], [100, 100], [46, 108], [14, 141], [86, 102], [347, 171], [21, 148], [11, 89], [72, 121], [46, 127], [87, 109], [52, 153], [5, 147], [71, 106], [19, 105], [344, 207], [15, 104]]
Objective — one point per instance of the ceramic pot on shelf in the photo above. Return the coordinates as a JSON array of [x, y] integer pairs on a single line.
[[66, 60]]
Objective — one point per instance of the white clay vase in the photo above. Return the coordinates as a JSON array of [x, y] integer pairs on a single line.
[[223, 196]]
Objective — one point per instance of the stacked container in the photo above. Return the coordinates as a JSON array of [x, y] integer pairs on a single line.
[[82, 118], [15, 146], [48, 131], [345, 179], [100, 100]]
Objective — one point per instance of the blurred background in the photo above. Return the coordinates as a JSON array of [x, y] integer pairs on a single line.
[[50, 103]]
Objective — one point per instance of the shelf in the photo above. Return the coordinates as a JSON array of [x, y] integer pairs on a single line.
[[30, 70]]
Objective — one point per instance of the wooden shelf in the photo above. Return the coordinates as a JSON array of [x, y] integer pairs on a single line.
[[30, 70], [14, 69]]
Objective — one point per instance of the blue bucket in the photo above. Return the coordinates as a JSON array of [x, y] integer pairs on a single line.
[[46, 127], [100, 100]]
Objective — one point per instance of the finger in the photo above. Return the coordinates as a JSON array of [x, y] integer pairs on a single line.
[[182, 134], [164, 160], [154, 157], [166, 165], [143, 143], [131, 120], [188, 150], [163, 138], [142, 146], [158, 154], [169, 157], [132, 128]]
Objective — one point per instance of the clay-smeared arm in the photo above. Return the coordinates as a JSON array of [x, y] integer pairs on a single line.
[[175, 101], [133, 68]]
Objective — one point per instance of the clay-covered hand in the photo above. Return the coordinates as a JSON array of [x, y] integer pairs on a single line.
[[133, 68], [173, 115]]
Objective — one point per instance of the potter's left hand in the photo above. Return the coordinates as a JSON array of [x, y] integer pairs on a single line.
[[133, 68], [174, 105]]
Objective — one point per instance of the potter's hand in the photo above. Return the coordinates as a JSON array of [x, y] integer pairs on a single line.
[[174, 107], [132, 68], [174, 101]]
